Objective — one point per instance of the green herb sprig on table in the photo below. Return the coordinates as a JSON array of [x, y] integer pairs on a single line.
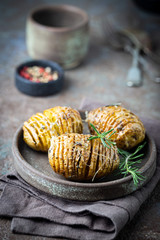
[[128, 160]]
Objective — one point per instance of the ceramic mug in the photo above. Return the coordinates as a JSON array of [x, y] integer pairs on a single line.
[[59, 33]]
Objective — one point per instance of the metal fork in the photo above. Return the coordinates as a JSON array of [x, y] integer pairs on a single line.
[[147, 65], [134, 76]]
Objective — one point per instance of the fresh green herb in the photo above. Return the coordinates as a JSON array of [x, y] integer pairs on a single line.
[[107, 142], [128, 160], [115, 104]]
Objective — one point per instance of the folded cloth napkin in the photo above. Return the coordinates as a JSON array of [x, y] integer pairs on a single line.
[[37, 213]]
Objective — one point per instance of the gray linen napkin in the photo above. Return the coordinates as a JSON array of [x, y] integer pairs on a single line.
[[37, 213]]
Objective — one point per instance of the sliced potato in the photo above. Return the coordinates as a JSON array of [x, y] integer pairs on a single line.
[[64, 119], [129, 128], [36, 132], [83, 159], [39, 129]]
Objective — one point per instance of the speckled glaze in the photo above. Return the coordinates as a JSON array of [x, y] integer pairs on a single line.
[[59, 33], [34, 168]]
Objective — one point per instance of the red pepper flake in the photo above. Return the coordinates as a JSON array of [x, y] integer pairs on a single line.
[[50, 78], [41, 70], [45, 74], [26, 75], [39, 74]]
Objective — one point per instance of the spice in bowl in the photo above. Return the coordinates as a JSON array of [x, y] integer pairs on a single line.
[[39, 74]]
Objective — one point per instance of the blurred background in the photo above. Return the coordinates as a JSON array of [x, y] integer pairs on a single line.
[[101, 76]]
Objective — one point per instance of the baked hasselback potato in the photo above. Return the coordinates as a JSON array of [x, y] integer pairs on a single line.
[[64, 120], [129, 129], [75, 157], [39, 129], [36, 132]]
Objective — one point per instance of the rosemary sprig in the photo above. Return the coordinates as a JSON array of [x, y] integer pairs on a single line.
[[114, 104], [107, 142], [128, 160]]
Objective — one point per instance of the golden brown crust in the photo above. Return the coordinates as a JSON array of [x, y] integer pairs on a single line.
[[65, 119], [36, 132], [39, 129], [129, 129], [83, 159]]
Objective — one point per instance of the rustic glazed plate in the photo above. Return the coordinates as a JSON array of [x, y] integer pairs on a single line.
[[34, 168]]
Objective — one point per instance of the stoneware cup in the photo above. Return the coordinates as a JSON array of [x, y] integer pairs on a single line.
[[59, 33]]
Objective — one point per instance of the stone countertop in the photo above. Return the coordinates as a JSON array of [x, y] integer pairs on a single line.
[[101, 76]]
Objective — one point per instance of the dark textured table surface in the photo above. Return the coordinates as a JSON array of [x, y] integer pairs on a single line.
[[101, 76]]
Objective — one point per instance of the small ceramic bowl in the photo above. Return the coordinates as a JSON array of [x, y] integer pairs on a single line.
[[39, 88], [59, 33]]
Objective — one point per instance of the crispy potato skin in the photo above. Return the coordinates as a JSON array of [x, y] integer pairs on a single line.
[[36, 132], [77, 158], [129, 129], [65, 119], [39, 129]]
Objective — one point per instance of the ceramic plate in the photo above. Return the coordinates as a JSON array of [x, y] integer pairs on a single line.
[[34, 168]]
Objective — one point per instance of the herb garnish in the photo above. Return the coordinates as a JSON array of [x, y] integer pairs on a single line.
[[107, 142], [128, 160], [115, 104]]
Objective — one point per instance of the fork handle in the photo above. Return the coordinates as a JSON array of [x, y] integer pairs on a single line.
[[135, 57], [146, 65]]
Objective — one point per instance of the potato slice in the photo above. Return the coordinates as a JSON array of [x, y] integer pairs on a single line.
[[65, 119], [36, 132], [129, 128], [83, 159], [39, 129]]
